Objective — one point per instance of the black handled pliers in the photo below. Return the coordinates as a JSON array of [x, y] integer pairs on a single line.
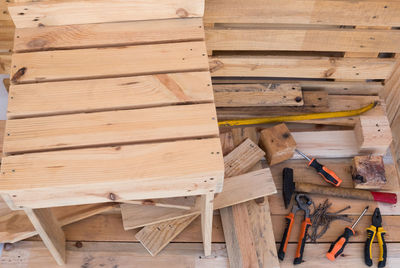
[[376, 229]]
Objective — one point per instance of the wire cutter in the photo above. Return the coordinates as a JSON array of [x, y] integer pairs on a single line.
[[376, 229], [303, 202]]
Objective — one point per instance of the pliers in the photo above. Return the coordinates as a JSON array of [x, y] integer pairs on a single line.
[[303, 202], [376, 229]]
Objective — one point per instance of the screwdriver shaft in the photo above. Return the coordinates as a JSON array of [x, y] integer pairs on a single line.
[[359, 218], [303, 155]]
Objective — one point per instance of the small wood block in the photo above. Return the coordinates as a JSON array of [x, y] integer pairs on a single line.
[[368, 172], [278, 143], [373, 134]]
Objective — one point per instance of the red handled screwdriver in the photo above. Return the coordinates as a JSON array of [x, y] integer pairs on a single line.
[[328, 175]]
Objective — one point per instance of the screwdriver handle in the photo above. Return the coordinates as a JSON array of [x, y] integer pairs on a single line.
[[338, 246], [328, 175], [286, 234], [302, 241]]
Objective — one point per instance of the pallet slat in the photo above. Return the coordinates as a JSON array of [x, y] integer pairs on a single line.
[[104, 34], [109, 62], [131, 166], [64, 12]]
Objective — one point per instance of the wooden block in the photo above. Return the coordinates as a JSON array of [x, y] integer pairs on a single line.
[[108, 34], [108, 173], [52, 98], [373, 134], [368, 172], [122, 61], [239, 95], [50, 232], [278, 143], [32, 14], [110, 128]]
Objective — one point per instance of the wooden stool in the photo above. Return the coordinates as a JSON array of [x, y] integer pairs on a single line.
[[112, 111]]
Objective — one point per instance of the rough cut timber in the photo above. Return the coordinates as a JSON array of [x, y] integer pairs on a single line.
[[373, 134], [279, 144], [368, 172]]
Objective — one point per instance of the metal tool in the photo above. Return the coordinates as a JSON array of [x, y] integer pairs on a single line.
[[376, 230], [327, 174], [338, 246], [303, 202]]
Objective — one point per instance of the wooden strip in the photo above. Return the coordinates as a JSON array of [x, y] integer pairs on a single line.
[[110, 128], [109, 62], [181, 255], [233, 95], [156, 237], [207, 209], [303, 39], [27, 15], [5, 63], [184, 202], [339, 12], [15, 225], [236, 190], [110, 173], [50, 98], [108, 34], [301, 67], [50, 232]]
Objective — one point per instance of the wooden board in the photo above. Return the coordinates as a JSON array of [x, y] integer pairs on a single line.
[[132, 167], [27, 15], [5, 63], [110, 62], [110, 128], [108, 34], [235, 95], [236, 190], [337, 12], [301, 67], [233, 38], [51, 98]]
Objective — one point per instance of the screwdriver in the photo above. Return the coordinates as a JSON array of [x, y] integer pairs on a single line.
[[328, 175], [337, 247]]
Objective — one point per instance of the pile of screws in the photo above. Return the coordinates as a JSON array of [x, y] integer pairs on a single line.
[[321, 220]]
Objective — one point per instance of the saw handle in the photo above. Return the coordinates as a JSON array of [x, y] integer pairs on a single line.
[[302, 241], [286, 234]]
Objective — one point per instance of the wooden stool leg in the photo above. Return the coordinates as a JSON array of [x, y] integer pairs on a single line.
[[50, 231], [206, 221]]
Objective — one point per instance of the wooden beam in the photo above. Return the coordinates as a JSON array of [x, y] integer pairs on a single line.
[[28, 15], [206, 221], [301, 67], [67, 64], [49, 231]]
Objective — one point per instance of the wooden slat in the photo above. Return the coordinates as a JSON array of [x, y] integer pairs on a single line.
[[117, 170], [236, 190], [110, 62], [27, 15], [301, 67], [110, 128], [339, 12], [50, 98], [108, 34], [233, 95], [298, 39], [5, 63]]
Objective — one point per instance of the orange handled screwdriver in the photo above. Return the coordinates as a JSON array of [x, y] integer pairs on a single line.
[[337, 247], [328, 175]]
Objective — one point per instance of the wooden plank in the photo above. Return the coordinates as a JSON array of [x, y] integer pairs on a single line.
[[108, 173], [207, 206], [108, 34], [233, 95], [301, 67], [15, 225], [50, 232], [51, 98], [26, 15], [109, 62], [184, 202], [181, 255], [337, 12], [157, 236], [236, 190], [233, 38], [5, 63], [110, 128]]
